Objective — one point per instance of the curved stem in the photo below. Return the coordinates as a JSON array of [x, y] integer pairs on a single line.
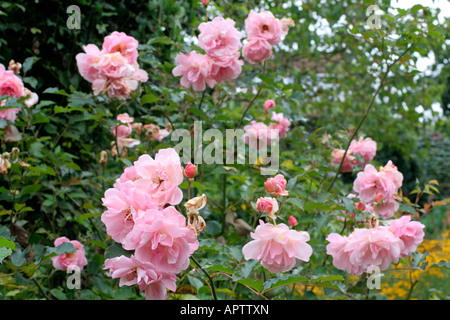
[[213, 290], [366, 113], [254, 98]]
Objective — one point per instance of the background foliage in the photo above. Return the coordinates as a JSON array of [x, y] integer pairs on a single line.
[[322, 77]]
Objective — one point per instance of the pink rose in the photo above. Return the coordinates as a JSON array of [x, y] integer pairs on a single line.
[[9, 114], [226, 68], [132, 271], [410, 232], [267, 205], [12, 134], [276, 186], [370, 182], [264, 26], [85, 62], [123, 44], [364, 248], [125, 118], [282, 124], [123, 205], [257, 50], [219, 37], [349, 162], [259, 133], [161, 176], [392, 172], [269, 104], [162, 238], [195, 70], [277, 247], [68, 260], [10, 84], [364, 147]]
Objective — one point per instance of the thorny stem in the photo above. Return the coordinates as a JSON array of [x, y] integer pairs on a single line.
[[213, 290], [366, 113]]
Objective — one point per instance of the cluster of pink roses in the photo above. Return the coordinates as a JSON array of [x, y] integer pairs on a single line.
[[277, 246], [113, 70], [258, 132], [263, 32], [379, 246], [366, 148], [11, 85], [141, 216], [221, 41], [378, 189]]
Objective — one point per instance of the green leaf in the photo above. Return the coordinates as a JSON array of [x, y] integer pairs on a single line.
[[58, 294], [255, 284], [116, 250], [149, 98], [283, 280], [4, 252], [7, 243], [28, 63], [296, 202]]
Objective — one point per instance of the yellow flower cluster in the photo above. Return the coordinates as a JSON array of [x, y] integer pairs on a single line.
[[438, 250]]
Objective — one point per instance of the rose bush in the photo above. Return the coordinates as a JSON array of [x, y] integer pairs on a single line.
[[103, 169]]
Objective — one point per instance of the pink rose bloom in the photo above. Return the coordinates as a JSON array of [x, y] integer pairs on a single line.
[[219, 37], [123, 206], [257, 50], [121, 131], [276, 186], [386, 209], [125, 118], [341, 257], [264, 26], [114, 65], [370, 182], [226, 68], [119, 88], [131, 271], [10, 84], [123, 44], [129, 174], [392, 172], [376, 246], [9, 114], [349, 162], [410, 232], [267, 205], [161, 176], [85, 62], [195, 70], [365, 147], [278, 247], [162, 238], [259, 133], [124, 143], [269, 104], [68, 260], [282, 125]]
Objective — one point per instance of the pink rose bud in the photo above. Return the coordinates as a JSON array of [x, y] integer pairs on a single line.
[[267, 205], [205, 2], [292, 221], [269, 104], [190, 170], [360, 206], [379, 197], [276, 186]]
